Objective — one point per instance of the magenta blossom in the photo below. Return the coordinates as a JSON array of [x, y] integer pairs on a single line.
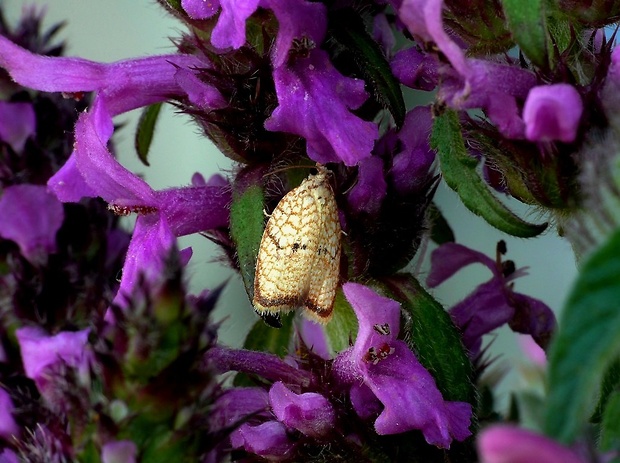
[[163, 215], [35, 217], [332, 132], [257, 432], [119, 452], [298, 19], [383, 365], [371, 187], [8, 426], [509, 444], [493, 303], [552, 112], [467, 83], [17, 123], [41, 352], [310, 413]]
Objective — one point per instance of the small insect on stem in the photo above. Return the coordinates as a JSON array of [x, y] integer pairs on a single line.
[[299, 256]]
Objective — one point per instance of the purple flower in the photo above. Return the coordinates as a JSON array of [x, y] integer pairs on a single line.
[[125, 85], [258, 432], [411, 166], [119, 452], [468, 83], [200, 9], [552, 112], [297, 19], [416, 69], [310, 413], [378, 361], [533, 351], [17, 123], [32, 216], [370, 188], [8, 426], [230, 28], [163, 215], [262, 364], [268, 440], [493, 303], [41, 351], [315, 102], [8, 456], [237, 404], [509, 444], [314, 338]]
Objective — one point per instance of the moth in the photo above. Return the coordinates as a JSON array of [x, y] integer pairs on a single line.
[[298, 261]]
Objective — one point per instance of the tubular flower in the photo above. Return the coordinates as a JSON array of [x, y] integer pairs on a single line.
[[385, 365], [493, 303]]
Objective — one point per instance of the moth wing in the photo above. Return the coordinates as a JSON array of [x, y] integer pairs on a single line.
[[324, 276], [286, 252]]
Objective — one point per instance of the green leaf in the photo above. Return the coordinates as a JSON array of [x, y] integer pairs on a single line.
[[370, 61], [263, 337], [342, 328], [440, 228], [527, 23], [145, 131], [587, 343], [459, 170], [434, 338], [610, 430], [610, 383], [247, 223]]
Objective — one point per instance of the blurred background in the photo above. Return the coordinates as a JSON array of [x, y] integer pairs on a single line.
[[112, 30]]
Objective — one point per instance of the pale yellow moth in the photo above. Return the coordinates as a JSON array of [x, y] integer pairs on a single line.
[[299, 255]]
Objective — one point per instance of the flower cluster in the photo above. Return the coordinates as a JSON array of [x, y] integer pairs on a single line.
[[104, 355]]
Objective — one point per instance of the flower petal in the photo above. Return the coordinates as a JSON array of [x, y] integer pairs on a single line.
[[262, 364], [509, 444], [268, 440], [230, 28], [364, 401], [533, 317], [99, 171], [237, 404], [310, 413], [415, 69], [32, 218], [40, 351], [200, 9], [332, 132], [372, 310], [297, 19], [314, 338], [370, 189], [126, 84], [203, 95], [150, 246], [17, 123], [8, 426], [411, 400], [552, 112], [123, 451], [411, 166], [195, 209], [449, 258], [424, 20], [391, 371], [481, 312], [8, 456]]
